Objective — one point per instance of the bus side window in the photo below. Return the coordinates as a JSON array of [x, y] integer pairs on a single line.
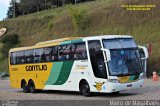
[[29, 56], [80, 51], [13, 58], [72, 51], [48, 54], [20, 57], [75, 51], [39, 55], [54, 53], [67, 52], [61, 55]]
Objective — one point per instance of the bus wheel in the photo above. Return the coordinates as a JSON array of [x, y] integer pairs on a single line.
[[31, 87], [116, 92], [85, 89], [24, 86]]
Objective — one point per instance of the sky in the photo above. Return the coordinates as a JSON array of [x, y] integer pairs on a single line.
[[4, 4]]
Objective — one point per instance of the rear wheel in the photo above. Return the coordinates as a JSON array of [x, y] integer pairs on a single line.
[[24, 86], [85, 89], [31, 87]]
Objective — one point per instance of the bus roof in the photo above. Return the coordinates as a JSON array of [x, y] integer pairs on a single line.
[[45, 43], [59, 41], [107, 37]]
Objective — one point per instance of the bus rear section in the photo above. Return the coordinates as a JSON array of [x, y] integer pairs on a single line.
[[49, 67]]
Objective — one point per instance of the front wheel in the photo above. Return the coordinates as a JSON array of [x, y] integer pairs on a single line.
[[85, 89]]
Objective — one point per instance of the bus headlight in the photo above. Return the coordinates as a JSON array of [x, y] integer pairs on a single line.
[[140, 77], [113, 80]]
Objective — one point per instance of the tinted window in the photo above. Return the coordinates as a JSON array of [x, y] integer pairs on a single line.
[[48, 54], [13, 58], [75, 51], [80, 51], [29, 56], [56, 53], [39, 55], [119, 43], [20, 57], [97, 59], [64, 52]]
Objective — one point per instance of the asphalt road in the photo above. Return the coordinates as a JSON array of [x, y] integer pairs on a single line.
[[150, 91]]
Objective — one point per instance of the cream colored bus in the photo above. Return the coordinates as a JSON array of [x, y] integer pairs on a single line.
[[107, 64]]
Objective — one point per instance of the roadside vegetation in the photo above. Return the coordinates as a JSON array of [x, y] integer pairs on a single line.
[[89, 19]]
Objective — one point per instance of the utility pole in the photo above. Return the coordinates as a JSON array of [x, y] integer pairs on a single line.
[[14, 8], [45, 4], [75, 2], [57, 3]]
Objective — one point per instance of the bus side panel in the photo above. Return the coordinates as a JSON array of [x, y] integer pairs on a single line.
[[42, 76], [80, 70], [66, 75], [34, 72], [14, 76]]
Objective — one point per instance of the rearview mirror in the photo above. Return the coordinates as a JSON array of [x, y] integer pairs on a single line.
[[143, 51], [108, 55]]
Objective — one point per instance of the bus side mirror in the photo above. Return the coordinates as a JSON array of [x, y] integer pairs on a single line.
[[143, 51], [108, 55]]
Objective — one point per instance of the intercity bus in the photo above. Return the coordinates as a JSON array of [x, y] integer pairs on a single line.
[[105, 64]]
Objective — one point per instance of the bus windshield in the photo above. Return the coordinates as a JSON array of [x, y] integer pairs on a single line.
[[125, 59], [124, 62]]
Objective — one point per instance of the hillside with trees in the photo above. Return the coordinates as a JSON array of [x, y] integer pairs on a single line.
[[24, 7]]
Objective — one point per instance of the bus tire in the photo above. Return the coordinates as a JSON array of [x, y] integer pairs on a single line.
[[24, 86], [114, 93], [85, 89], [31, 86]]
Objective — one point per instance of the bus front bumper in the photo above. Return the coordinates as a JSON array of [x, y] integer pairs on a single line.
[[116, 87]]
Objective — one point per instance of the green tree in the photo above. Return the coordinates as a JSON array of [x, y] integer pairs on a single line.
[[10, 12], [9, 41]]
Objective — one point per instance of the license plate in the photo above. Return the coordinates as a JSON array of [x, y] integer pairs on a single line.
[[130, 85]]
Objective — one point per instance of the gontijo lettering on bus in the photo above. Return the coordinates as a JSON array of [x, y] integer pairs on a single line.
[[36, 68]]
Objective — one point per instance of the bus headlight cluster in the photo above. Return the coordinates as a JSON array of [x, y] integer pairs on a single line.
[[113, 80]]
